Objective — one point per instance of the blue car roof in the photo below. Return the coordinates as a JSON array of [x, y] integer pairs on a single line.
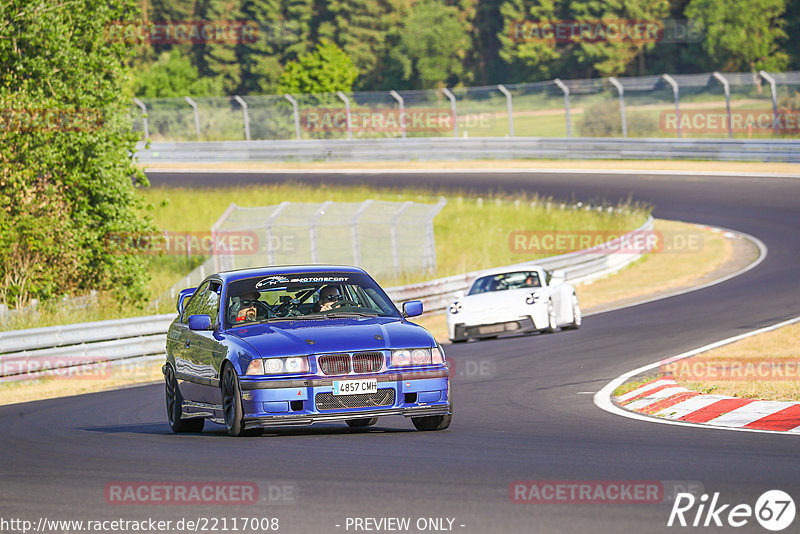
[[240, 274]]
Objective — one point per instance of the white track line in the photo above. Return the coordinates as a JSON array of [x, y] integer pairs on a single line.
[[602, 398]]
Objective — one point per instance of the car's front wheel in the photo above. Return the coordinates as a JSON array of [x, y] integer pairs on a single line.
[[433, 422], [357, 423], [552, 322], [577, 317], [232, 402], [175, 406]]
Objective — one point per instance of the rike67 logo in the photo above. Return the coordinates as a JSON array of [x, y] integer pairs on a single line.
[[774, 510]]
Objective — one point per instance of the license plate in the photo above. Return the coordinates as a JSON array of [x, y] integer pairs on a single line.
[[492, 329], [355, 387]]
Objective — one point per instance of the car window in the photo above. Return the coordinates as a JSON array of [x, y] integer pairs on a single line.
[[209, 302], [194, 305], [505, 281], [305, 295]]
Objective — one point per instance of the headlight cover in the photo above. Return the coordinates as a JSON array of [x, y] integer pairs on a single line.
[[411, 357], [277, 366]]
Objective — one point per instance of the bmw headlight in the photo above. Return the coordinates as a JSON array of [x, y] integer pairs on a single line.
[[406, 357], [455, 307], [275, 366]]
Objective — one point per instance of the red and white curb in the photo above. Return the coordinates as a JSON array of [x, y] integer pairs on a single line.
[[665, 398], [664, 401]]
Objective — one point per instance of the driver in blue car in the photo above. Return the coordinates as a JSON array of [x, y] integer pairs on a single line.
[[328, 296], [247, 307]]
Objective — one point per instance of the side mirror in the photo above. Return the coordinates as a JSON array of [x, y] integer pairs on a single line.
[[412, 308], [183, 296], [199, 322], [559, 277]]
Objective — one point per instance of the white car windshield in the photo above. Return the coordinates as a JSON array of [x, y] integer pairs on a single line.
[[504, 281]]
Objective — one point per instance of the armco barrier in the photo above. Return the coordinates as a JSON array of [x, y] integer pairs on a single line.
[[24, 353], [450, 148]]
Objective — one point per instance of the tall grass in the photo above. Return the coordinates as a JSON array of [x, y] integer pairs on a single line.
[[471, 233]]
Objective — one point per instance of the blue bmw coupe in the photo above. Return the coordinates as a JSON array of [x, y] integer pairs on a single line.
[[299, 345]]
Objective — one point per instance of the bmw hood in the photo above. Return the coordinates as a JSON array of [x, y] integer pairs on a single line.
[[306, 337]]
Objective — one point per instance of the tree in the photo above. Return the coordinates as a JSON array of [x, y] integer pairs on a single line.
[[173, 75], [327, 69], [742, 35], [433, 46], [67, 179], [528, 59], [218, 59]]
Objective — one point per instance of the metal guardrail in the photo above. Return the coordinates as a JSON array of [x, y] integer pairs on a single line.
[[447, 148], [33, 352]]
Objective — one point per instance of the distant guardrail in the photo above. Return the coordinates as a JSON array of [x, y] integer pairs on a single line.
[[448, 148], [33, 352]]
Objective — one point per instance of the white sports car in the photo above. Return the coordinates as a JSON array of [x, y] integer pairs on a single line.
[[504, 301]]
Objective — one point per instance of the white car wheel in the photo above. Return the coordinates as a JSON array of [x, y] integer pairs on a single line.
[[552, 323], [577, 317]]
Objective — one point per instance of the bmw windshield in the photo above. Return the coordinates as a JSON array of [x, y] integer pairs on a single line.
[[305, 296]]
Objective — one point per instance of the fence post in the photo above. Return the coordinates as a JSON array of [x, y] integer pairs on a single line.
[[401, 104], [312, 230], [565, 90], [354, 231], [510, 107], [621, 90], [676, 93], [393, 236], [215, 232], [430, 241], [242, 103], [774, 93], [268, 233], [145, 125], [295, 113], [452, 98], [726, 86], [347, 112], [196, 115]]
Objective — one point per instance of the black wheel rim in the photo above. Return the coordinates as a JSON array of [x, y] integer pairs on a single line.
[[171, 397], [228, 405]]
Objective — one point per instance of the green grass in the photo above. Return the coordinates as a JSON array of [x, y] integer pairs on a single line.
[[470, 233]]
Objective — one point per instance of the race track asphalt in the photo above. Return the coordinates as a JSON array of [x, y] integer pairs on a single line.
[[524, 407]]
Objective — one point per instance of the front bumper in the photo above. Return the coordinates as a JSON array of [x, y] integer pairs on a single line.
[[522, 324], [267, 403]]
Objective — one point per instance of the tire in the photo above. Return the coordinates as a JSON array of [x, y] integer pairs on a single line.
[[231, 402], [577, 316], [432, 423], [175, 407], [459, 340], [359, 423], [552, 323]]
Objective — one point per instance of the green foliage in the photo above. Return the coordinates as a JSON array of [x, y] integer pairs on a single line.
[[432, 46], [604, 119], [327, 69], [173, 75], [66, 175], [742, 35]]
